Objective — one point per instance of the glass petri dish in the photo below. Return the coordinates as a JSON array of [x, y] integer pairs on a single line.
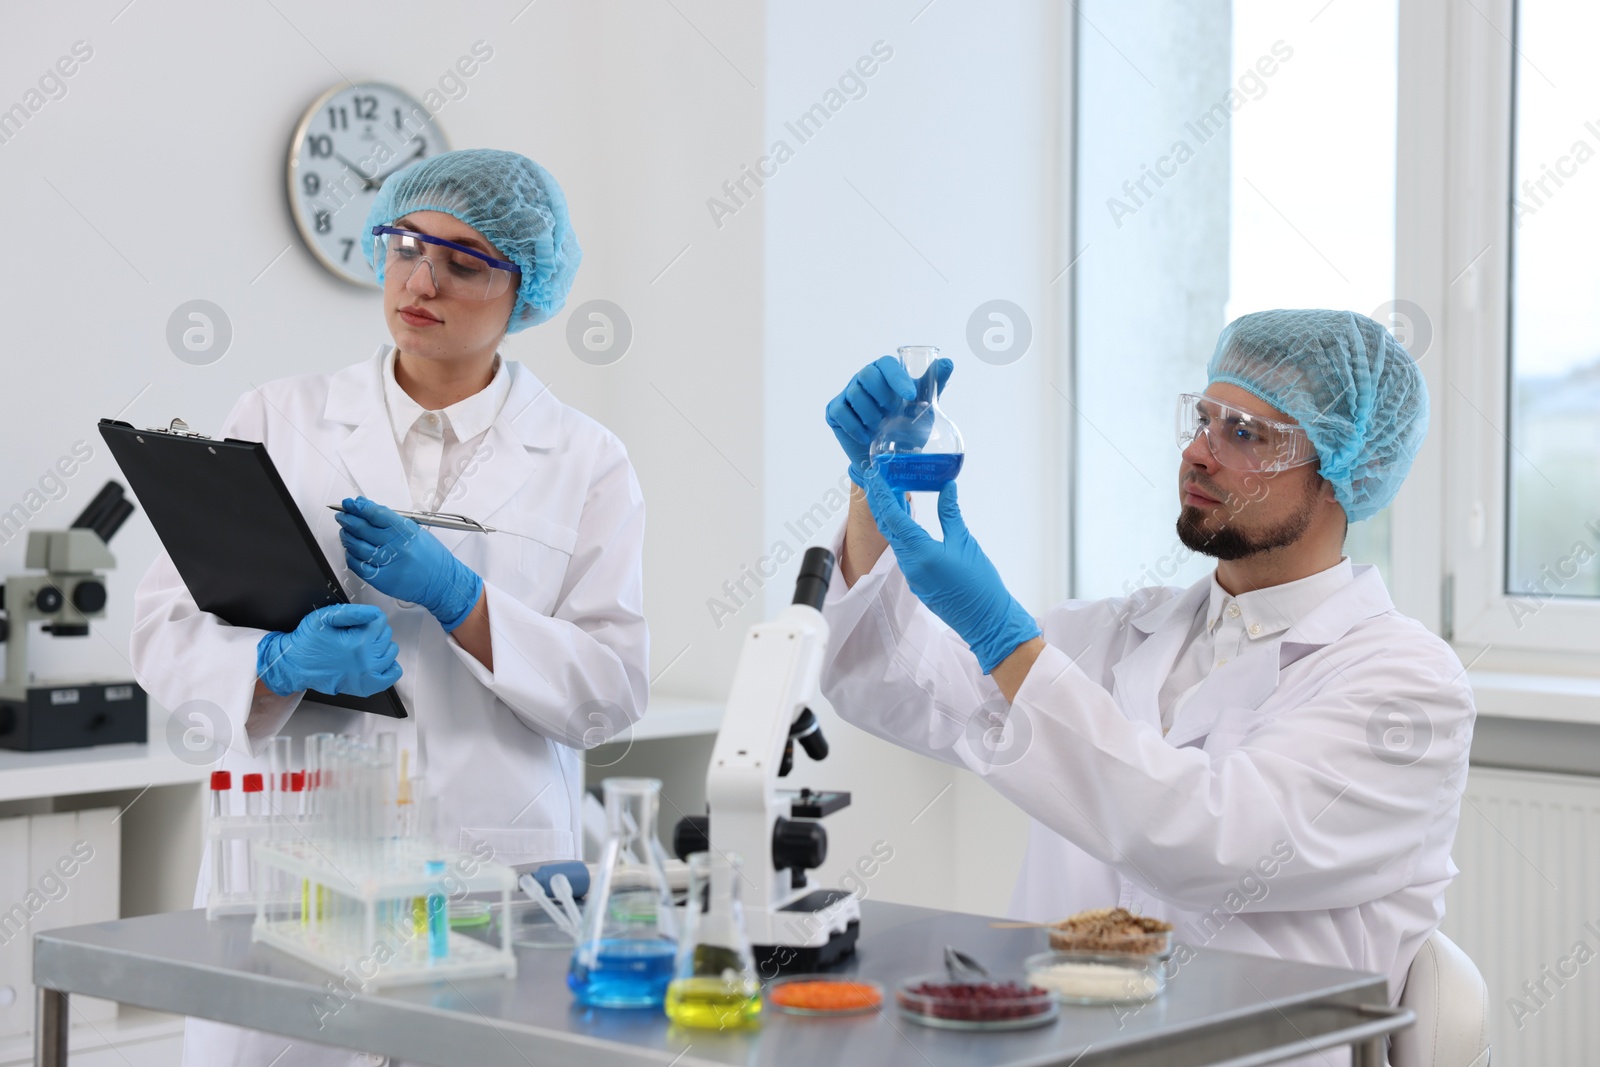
[[991, 1004], [1097, 978], [469, 913], [811, 994], [531, 927]]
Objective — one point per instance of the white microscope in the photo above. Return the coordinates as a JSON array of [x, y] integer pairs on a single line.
[[793, 924]]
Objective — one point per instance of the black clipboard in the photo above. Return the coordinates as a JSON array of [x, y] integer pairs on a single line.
[[234, 533]]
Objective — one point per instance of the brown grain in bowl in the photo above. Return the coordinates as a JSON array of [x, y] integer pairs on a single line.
[[1110, 930]]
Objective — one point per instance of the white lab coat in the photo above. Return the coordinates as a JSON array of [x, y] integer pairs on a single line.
[[1272, 755], [498, 750]]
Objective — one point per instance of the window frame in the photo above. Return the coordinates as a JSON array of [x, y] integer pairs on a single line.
[[1472, 395]]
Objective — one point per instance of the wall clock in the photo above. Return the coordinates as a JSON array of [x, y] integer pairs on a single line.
[[348, 141]]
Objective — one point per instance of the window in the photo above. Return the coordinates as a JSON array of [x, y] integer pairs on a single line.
[[1553, 450], [1222, 167], [1522, 335]]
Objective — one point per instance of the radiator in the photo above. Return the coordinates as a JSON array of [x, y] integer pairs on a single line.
[[1526, 908]]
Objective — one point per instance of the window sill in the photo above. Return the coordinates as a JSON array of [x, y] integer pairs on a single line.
[[1542, 697]]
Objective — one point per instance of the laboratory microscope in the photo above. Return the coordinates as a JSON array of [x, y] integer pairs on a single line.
[[793, 924], [69, 713]]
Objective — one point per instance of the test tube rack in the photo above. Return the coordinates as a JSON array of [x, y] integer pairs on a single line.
[[271, 804], [377, 914], [358, 885]]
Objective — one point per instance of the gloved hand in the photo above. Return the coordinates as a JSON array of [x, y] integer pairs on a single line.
[[874, 393], [342, 648], [952, 577], [400, 558]]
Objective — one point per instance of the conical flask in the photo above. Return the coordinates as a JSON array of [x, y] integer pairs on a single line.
[[918, 448], [714, 984], [629, 936]]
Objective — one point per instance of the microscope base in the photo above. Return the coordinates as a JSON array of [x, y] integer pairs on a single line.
[[805, 958], [47, 717]]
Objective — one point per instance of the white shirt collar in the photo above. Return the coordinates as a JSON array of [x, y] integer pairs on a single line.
[[467, 418], [1266, 612]]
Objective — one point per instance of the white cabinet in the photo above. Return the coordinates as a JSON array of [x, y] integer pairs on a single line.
[[65, 816]]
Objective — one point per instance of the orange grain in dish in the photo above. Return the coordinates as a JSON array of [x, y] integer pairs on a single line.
[[827, 996]]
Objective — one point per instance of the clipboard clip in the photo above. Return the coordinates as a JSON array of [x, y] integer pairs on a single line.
[[179, 428]]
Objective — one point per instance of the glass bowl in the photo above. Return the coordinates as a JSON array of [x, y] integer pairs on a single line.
[[988, 1004], [1097, 977], [788, 994]]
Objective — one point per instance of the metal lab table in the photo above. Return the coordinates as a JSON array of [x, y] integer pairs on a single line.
[[1219, 1008]]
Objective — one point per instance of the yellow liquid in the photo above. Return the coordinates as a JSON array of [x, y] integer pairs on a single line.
[[712, 1004]]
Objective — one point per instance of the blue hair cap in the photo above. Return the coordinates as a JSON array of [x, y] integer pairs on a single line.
[[507, 197], [1350, 385]]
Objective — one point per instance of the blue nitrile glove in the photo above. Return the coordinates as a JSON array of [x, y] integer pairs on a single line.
[[342, 648], [400, 558], [952, 577], [874, 393]]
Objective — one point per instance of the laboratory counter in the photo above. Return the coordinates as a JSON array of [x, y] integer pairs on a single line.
[[1218, 1007]]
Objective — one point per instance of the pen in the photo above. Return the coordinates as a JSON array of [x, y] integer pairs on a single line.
[[436, 518]]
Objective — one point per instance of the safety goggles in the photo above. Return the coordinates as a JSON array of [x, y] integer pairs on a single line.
[[456, 269], [1239, 439]]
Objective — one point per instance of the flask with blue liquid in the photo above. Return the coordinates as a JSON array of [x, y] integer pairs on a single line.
[[918, 449], [629, 936]]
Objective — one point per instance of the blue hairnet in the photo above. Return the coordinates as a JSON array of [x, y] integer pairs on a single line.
[[1344, 378], [508, 198]]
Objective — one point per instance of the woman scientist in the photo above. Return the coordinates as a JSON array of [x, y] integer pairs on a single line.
[[510, 649]]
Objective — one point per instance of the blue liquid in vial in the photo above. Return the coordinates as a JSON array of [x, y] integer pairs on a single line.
[[626, 974], [920, 472]]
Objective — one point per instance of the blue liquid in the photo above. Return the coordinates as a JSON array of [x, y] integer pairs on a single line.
[[438, 928], [626, 974], [919, 472]]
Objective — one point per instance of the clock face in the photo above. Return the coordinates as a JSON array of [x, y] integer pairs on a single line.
[[347, 143]]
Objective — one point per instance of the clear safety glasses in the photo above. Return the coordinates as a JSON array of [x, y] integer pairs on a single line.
[[456, 269], [1239, 439]]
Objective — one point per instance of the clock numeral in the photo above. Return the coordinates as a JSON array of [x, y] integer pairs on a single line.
[[312, 182], [324, 222], [337, 119], [366, 107], [319, 144], [397, 123], [348, 243]]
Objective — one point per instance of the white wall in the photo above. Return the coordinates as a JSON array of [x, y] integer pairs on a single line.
[[914, 204]]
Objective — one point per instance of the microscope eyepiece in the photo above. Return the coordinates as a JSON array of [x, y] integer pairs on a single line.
[[106, 512]]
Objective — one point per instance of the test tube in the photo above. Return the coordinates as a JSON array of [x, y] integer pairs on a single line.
[[279, 761], [253, 787], [221, 784], [312, 895], [386, 789], [438, 918], [221, 847], [405, 811], [314, 748]]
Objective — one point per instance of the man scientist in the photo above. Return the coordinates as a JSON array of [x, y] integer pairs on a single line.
[[1271, 759]]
